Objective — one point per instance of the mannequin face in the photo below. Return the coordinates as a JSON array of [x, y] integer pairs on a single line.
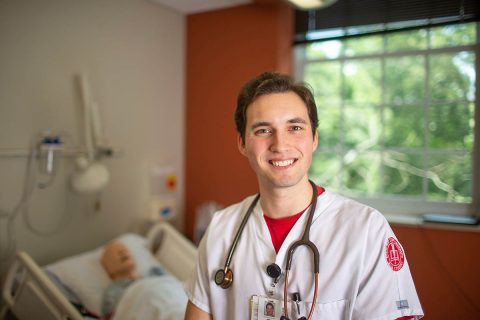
[[118, 261]]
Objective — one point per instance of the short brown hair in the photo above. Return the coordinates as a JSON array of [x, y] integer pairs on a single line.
[[268, 83]]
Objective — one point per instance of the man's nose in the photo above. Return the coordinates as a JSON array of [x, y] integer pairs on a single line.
[[280, 142]]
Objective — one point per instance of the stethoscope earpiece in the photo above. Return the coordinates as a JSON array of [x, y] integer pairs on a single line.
[[224, 278]]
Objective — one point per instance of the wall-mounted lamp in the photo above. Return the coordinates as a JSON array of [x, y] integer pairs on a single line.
[[311, 4], [91, 175]]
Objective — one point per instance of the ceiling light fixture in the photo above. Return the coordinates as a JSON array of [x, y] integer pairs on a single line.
[[311, 4]]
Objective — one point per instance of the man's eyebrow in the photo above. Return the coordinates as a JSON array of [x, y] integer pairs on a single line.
[[266, 123], [260, 124], [298, 120]]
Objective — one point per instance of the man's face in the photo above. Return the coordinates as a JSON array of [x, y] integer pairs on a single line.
[[278, 139], [270, 310]]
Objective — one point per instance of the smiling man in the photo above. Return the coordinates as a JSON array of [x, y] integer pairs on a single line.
[[311, 251]]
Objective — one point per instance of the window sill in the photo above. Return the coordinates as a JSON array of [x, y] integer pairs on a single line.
[[404, 219], [417, 220]]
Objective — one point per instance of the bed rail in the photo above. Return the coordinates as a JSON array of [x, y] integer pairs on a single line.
[[174, 251], [27, 285]]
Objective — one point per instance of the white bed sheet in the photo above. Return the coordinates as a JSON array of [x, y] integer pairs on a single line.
[[153, 298]]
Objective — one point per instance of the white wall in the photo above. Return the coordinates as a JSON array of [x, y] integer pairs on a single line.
[[133, 52]]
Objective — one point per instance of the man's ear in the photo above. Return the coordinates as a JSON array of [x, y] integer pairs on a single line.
[[241, 145], [315, 141]]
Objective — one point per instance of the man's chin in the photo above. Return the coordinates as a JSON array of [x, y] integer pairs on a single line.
[[284, 182]]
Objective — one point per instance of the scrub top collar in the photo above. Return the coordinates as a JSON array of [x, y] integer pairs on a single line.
[[263, 237]]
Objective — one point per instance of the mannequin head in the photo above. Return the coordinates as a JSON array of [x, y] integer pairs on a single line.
[[118, 261]]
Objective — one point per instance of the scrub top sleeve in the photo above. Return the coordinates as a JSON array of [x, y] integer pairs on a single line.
[[197, 286], [386, 289]]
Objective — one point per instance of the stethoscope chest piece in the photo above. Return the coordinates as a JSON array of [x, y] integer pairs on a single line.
[[224, 277]]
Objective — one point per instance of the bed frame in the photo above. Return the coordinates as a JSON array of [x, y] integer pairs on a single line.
[[29, 294]]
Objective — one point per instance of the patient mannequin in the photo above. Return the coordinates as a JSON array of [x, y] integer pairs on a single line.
[[118, 262]]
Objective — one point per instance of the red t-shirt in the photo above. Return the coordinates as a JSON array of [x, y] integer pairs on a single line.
[[279, 228]]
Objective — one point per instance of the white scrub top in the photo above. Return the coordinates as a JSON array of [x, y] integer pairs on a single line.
[[363, 272]]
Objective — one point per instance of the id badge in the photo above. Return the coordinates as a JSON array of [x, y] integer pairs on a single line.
[[266, 308]]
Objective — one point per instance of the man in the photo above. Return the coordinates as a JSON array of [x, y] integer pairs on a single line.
[[363, 273], [269, 309]]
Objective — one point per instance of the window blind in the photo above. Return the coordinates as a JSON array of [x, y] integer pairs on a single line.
[[348, 18]]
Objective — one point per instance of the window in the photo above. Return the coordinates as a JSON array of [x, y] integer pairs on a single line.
[[397, 117]]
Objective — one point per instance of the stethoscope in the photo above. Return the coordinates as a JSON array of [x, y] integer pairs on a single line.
[[224, 277]]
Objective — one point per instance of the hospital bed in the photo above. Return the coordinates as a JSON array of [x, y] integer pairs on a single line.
[[34, 292]]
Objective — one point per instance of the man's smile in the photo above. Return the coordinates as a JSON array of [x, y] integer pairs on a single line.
[[282, 163]]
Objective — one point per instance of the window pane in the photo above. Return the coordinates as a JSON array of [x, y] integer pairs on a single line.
[[329, 127], [407, 40], [326, 168], [363, 81], [324, 78], [324, 50], [397, 113], [404, 126], [362, 127], [363, 45], [452, 76], [453, 35], [403, 173], [404, 80], [450, 178], [451, 126], [362, 172]]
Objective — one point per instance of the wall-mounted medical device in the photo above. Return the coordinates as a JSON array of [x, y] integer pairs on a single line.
[[91, 175], [43, 155], [49, 147]]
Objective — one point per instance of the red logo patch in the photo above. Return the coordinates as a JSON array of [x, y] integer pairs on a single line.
[[394, 254]]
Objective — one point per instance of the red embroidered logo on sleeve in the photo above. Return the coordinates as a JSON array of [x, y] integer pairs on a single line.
[[394, 254]]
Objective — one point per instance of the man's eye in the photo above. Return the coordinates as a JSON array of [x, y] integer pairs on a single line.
[[296, 128], [263, 131]]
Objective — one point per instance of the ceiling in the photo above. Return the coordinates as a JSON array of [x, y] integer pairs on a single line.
[[196, 6]]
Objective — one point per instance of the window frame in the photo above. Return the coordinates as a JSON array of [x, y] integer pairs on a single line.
[[392, 205]]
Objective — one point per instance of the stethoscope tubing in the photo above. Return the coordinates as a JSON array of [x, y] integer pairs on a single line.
[[304, 241], [240, 231], [285, 293]]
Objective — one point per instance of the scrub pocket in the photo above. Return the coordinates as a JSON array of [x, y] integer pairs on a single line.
[[334, 310]]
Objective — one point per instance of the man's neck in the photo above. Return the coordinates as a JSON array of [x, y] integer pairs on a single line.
[[284, 202]]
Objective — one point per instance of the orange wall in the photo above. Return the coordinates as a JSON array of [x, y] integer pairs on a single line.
[[445, 265], [225, 48]]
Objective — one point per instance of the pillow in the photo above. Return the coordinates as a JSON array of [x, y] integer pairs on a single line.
[[85, 276], [144, 259]]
